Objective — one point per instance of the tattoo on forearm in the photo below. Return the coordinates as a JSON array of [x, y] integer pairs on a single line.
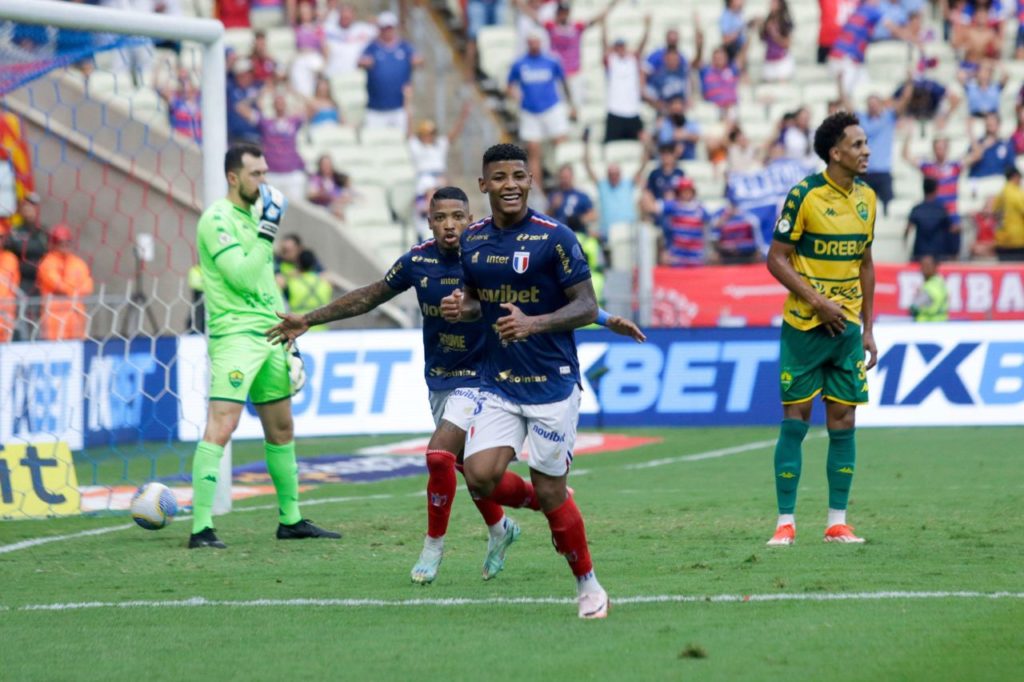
[[352, 304]]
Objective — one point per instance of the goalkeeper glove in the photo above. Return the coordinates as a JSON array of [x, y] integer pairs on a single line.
[[273, 205], [296, 369]]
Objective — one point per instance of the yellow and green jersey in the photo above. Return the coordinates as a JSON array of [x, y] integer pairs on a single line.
[[830, 229], [239, 286]]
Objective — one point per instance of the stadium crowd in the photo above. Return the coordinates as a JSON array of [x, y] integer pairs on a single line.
[[658, 89]]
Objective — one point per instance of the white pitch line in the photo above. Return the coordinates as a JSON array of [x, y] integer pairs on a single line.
[[495, 601], [35, 542], [712, 454]]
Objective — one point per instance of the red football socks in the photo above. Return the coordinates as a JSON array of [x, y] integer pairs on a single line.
[[489, 509], [570, 537], [514, 491], [440, 491]]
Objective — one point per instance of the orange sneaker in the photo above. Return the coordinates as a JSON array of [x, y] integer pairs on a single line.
[[842, 533], [784, 536]]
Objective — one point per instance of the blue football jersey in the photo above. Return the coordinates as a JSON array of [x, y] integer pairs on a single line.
[[531, 265], [451, 352]]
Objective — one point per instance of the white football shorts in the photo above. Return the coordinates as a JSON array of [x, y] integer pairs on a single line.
[[456, 406], [549, 430]]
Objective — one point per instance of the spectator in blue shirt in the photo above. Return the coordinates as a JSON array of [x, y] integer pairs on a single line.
[[567, 202], [663, 178], [389, 62], [983, 91], [733, 27], [242, 96], [879, 124], [674, 128], [894, 13], [670, 80], [616, 195], [990, 155], [932, 225], [537, 82], [656, 58]]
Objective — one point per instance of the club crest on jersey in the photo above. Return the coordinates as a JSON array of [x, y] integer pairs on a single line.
[[862, 210], [520, 261]]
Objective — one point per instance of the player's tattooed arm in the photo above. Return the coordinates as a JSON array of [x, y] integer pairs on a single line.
[[352, 304], [357, 302], [580, 311]]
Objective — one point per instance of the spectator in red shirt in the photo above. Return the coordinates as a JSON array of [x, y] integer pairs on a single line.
[[263, 65], [834, 14], [232, 13]]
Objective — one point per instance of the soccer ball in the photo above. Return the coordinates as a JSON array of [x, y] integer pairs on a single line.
[[153, 506]]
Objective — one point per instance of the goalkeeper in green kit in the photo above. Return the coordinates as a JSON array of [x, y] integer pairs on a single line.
[[236, 256]]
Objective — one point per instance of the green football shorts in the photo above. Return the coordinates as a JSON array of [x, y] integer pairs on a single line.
[[812, 362], [247, 365]]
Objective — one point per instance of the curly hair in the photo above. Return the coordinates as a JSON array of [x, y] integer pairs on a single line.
[[831, 131], [504, 152]]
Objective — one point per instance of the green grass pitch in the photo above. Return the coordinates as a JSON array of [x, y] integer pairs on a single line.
[[941, 509]]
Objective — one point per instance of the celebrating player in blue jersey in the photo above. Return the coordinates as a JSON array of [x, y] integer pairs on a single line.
[[527, 278], [452, 354]]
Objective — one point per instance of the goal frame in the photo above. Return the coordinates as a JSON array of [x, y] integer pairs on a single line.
[[213, 85]]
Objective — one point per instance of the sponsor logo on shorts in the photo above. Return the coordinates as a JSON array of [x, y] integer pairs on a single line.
[[464, 393], [552, 436], [235, 378]]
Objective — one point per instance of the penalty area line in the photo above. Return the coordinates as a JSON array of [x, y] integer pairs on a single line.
[[194, 602]]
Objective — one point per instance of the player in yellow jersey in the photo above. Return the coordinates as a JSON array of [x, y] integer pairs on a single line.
[[821, 252]]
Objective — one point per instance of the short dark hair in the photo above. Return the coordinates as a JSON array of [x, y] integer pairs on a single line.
[[294, 238], [1012, 171], [449, 194], [831, 131], [307, 261], [233, 159], [504, 152], [929, 185]]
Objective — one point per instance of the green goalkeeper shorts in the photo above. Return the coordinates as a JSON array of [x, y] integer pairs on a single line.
[[247, 365], [812, 362]]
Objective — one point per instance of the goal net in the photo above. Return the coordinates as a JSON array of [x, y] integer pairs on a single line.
[[102, 179]]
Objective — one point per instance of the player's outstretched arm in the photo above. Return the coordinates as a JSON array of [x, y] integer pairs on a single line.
[[354, 303], [620, 325], [580, 311]]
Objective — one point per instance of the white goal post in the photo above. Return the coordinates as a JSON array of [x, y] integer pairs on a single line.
[[207, 32]]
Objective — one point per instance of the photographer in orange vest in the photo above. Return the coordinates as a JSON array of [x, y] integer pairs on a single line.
[[63, 279], [10, 278]]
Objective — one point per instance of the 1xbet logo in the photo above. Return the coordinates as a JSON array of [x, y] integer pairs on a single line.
[[1000, 380]]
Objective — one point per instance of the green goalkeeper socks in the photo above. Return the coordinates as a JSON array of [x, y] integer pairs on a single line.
[[788, 460], [842, 453], [285, 474], [205, 467]]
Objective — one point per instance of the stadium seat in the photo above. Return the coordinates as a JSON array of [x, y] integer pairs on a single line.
[[239, 39], [623, 152], [381, 137], [328, 135]]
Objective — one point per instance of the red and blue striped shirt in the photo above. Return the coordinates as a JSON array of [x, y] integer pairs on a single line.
[[737, 233], [856, 34], [683, 226], [719, 85], [947, 175]]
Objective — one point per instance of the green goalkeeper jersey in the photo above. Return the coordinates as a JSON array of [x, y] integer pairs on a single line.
[[238, 272]]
